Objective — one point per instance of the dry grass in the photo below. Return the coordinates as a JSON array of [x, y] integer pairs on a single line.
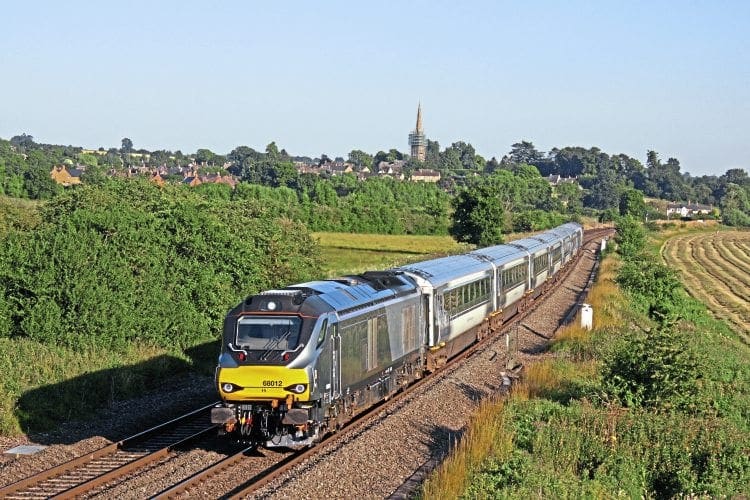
[[715, 271], [488, 435]]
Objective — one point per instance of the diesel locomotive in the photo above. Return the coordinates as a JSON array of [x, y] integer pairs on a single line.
[[299, 362]]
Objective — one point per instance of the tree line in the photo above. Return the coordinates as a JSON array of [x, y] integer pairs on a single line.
[[604, 184]]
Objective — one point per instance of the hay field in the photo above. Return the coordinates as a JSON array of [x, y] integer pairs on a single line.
[[715, 268]]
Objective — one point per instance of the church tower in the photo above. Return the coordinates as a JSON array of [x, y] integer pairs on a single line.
[[417, 139]]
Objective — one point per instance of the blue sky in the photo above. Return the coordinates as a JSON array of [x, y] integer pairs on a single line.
[[329, 77]]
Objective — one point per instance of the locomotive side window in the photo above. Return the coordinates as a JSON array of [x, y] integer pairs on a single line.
[[322, 334], [409, 322]]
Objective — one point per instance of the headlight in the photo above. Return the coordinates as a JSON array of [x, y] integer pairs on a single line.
[[271, 305], [227, 387], [296, 388]]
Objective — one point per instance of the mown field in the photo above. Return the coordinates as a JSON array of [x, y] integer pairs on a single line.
[[715, 268], [348, 253]]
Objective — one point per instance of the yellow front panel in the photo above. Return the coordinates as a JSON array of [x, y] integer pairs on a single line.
[[263, 383]]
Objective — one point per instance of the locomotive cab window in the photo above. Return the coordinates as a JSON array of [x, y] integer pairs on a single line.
[[279, 333]]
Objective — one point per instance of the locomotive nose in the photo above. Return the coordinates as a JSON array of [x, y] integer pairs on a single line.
[[263, 383]]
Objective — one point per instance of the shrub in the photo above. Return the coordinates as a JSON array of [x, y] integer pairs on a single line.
[[129, 261], [656, 369], [631, 237]]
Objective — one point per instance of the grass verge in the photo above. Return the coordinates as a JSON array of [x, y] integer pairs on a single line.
[[557, 435]]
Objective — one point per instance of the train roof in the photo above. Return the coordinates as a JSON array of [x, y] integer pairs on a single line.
[[568, 229], [548, 237], [532, 244], [500, 254], [350, 292], [444, 269]]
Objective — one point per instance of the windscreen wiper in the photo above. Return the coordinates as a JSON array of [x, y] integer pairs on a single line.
[[274, 343]]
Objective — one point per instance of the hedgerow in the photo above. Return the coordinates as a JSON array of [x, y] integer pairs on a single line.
[[129, 261]]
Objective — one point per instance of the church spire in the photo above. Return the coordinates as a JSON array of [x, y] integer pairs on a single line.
[[417, 139]]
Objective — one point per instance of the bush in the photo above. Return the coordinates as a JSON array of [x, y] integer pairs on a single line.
[[129, 261], [656, 369], [631, 237], [654, 287]]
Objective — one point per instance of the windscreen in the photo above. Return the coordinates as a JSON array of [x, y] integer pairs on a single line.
[[268, 333]]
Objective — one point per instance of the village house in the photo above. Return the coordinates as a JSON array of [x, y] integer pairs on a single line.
[[394, 169], [688, 209], [192, 180], [157, 179], [61, 175], [425, 175], [557, 179], [218, 179]]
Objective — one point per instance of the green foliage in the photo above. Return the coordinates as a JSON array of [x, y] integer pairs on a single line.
[[632, 204], [131, 262], [488, 207], [630, 237], [654, 287], [478, 214], [655, 369], [736, 218]]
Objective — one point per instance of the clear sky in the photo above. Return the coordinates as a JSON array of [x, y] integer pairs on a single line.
[[332, 76]]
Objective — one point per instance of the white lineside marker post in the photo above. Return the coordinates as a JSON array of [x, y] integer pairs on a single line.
[[587, 317], [604, 245]]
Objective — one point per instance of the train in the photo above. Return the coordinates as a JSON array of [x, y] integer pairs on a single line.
[[299, 362]]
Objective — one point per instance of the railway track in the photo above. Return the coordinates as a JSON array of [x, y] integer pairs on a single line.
[[259, 480], [90, 472]]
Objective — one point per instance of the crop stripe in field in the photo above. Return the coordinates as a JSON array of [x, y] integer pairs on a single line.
[[735, 280], [729, 251], [699, 281], [725, 295], [740, 250], [697, 287]]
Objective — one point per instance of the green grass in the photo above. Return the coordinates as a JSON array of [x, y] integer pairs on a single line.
[[344, 253], [556, 438]]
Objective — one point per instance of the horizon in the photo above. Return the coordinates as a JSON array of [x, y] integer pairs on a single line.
[[331, 78]]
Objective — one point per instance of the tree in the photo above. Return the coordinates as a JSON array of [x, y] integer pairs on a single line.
[[272, 151], [205, 157], [478, 216], [127, 146], [360, 158], [23, 141], [525, 152], [632, 204], [605, 190], [432, 155], [569, 194]]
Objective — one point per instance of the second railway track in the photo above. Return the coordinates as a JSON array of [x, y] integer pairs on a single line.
[[89, 472]]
